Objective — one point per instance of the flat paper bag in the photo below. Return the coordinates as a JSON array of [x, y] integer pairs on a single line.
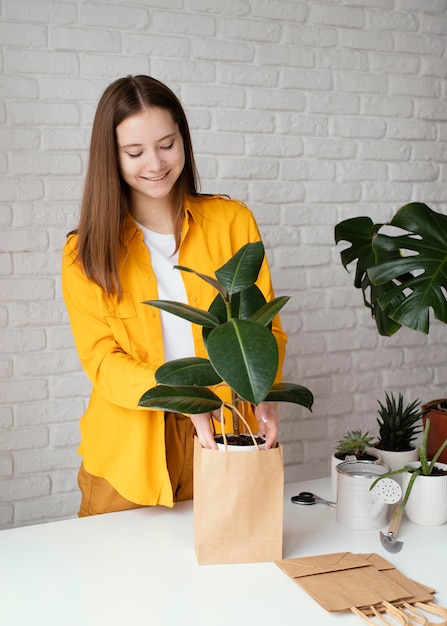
[[238, 505], [342, 580]]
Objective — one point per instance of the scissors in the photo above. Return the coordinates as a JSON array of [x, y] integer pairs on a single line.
[[306, 497]]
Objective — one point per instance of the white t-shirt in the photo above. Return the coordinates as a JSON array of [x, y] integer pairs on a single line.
[[177, 333]]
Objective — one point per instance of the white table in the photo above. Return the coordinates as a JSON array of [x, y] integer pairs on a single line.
[[139, 567]]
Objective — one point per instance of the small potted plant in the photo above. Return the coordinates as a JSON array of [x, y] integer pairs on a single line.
[[399, 426], [355, 445], [424, 485]]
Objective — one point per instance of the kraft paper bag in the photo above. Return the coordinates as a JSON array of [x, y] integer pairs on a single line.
[[365, 584], [238, 505], [342, 580]]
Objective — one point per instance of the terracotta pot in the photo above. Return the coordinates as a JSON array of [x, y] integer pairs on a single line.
[[438, 426]]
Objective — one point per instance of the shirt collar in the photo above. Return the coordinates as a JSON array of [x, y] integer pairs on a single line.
[[192, 210]]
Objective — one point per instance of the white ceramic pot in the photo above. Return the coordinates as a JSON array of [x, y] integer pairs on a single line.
[[231, 448], [397, 460], [335, 461], [427, 504]]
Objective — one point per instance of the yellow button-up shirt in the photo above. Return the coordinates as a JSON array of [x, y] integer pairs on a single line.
[[120, 343]]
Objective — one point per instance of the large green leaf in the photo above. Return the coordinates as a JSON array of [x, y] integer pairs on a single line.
[[289, 392], [360, 232], [208, 279], [242, 269], [269, 310], [245, 355], [189, 400], [243, 305], [187, 371], [420, 256], [190, 313]]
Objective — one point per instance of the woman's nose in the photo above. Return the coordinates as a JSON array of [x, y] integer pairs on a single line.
[[153, 161]]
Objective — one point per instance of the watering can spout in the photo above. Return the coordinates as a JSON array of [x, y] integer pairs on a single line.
[[386, 492], [376, 509]]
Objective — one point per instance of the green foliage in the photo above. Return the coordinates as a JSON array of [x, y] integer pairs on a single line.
[[401, 276], [398, 425], [242, 350], [354, 442], [426, 466]]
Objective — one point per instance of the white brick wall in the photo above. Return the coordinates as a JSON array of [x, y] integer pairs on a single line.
[[310, 111]]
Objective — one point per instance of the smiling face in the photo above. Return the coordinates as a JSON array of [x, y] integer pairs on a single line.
[[151, 158]]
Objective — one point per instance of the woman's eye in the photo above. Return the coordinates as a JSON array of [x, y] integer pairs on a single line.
[[171, 145], [134, 155]]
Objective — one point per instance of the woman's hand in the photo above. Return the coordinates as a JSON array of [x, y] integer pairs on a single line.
[[202, 423], [268, 420]]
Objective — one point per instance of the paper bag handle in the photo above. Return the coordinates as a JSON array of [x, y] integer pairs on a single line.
[[406, 617], [431, 607]]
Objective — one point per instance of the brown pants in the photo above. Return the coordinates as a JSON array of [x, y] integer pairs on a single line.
[[98, 495]]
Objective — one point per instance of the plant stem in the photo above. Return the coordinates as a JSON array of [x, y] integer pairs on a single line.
[[236, 420]]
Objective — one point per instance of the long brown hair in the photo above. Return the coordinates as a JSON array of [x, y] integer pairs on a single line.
[[105, 202]]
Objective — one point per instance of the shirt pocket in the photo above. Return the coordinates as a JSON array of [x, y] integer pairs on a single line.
[[123, 321]]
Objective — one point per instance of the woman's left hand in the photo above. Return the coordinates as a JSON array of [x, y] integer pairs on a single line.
[[268, 420]]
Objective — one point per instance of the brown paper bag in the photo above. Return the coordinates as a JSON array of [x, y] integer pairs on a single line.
[[238, 505], [366, 584], [342, 580]]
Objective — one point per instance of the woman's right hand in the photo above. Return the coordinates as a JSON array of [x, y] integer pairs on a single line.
[[202, 423]]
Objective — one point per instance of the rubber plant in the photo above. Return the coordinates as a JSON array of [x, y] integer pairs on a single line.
[[241, 348]]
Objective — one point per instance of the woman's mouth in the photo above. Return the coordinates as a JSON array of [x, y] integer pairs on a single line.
[[155, 179]]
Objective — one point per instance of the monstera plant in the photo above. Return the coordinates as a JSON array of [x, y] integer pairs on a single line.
[[403, 274], [241, 347]]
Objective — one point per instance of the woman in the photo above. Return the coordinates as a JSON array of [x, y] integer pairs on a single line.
[[142, 214]]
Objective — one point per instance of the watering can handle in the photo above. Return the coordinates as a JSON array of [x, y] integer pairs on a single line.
[[396, 519]]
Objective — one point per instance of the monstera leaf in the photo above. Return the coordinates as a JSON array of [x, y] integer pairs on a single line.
[[360, 232], [403, 275], [423, 263]]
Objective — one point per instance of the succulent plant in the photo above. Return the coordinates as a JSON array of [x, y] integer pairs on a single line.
[[354, 442], [398, 425]]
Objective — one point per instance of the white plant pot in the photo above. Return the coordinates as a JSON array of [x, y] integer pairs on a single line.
[[335, 462], [427, 504], [231, 448], [398, 460]]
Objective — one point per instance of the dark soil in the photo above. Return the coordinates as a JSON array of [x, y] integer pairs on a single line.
[[242, 440], [361, 457], [439, 471]]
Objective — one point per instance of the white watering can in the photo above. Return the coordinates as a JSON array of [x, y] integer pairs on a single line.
[[358, 506]]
